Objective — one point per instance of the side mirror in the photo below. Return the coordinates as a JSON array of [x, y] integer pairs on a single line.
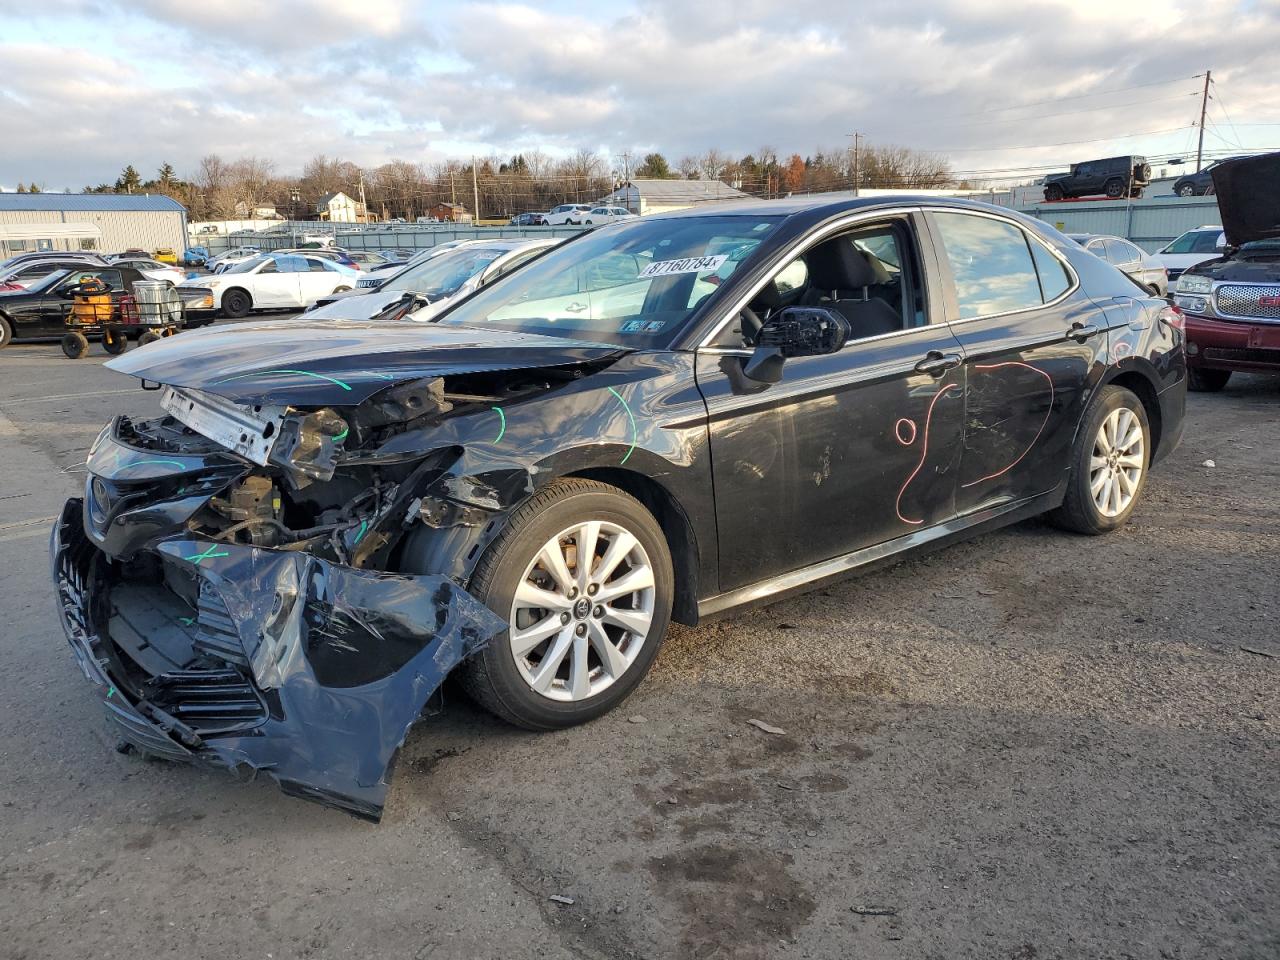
[[795, 332]]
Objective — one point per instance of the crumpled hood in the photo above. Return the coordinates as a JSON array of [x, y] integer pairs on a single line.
[[1248, 192], [339, 362]]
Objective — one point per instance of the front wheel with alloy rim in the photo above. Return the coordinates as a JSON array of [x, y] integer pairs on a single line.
[[6, 332], [1109, 464], [583, 576]]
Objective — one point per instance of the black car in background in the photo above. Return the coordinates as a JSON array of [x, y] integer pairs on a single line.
[[1113, 177], [40, 311], [529, 220], [670, 417], [1198, 184]]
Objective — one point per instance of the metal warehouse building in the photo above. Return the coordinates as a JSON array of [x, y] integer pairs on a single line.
[[90, 221]]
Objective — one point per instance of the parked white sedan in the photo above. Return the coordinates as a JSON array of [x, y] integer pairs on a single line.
[[270, 281], [598, 215]]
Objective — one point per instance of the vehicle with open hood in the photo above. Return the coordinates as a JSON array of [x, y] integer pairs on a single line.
[[1232, 302], [666, 418]]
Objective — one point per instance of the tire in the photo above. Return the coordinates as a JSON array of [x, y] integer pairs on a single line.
[[1201, 380], [75, 345], [587, 222], [1053, 192], [1186, 190], [149, 337], [1120, 410], [114, 340], [236, 304], [6, 332], [503, 683], [1114, 188]]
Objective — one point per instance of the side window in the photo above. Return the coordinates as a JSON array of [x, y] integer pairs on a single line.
[[1054, 278], [792, 277], [1204, 242], [316, 265], [515, 262], [1119, 252], [271, 266], [991, 264]]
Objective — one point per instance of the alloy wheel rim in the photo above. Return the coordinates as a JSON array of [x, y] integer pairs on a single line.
[[582, 611], [1119, 457]]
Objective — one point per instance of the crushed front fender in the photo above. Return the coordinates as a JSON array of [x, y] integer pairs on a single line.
[[263, 661]]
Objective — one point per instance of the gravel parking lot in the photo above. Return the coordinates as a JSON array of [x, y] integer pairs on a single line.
[[1031, 745]]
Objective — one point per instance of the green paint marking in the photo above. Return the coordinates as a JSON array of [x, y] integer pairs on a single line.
[[634, 431], [187, 621], [300, 373], [207, 555], [502, 430], [143, 463], [111, 693], [342, 436], [364, 525]]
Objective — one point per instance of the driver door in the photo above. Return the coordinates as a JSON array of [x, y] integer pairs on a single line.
[[849, 450]]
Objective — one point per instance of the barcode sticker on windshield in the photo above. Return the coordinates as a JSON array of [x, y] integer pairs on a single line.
[[665, 268]]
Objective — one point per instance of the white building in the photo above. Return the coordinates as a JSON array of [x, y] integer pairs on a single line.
[[106, 222], [338, 208], [656, 196]]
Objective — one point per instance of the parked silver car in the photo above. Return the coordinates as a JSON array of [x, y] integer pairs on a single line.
[[421, 290], [1129, 257]]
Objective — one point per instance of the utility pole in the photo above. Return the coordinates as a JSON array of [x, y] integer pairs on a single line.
[[626, 175], [857, 162], [475, 190], [1204, 105], [364, 210]]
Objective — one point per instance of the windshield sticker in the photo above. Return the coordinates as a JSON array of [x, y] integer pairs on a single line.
[[665, 268], [643, 326]]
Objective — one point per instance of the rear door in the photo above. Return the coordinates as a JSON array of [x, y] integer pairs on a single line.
[[1035, 346], [319, 279], [275, 284]]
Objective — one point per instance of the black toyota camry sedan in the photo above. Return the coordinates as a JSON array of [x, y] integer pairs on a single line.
[[670, 417]]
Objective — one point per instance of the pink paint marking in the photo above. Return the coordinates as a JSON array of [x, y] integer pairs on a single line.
[[924, 452], [1048, 413], [897, 431]]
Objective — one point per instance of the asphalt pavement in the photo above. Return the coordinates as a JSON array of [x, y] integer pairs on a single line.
[[1030, 745]]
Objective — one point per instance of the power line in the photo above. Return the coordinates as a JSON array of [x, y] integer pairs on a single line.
[[1082, 96], [1036, 146], [1049, 116]]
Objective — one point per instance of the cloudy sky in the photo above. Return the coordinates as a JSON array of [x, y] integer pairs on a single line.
[[88, 85]]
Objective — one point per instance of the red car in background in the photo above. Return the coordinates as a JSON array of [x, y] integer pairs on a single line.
[[1232, 303]]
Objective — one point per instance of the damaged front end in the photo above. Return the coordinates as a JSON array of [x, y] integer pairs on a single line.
[[237, 601]]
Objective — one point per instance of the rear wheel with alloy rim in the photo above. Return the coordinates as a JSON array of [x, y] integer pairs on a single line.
[[583, 575], [1109, 464]]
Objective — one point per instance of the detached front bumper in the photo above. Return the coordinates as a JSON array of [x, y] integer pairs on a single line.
[[1232, 344], [277, 661]]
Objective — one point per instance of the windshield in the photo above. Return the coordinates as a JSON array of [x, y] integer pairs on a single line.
[[442, 275], [634, 284], [247, 266]]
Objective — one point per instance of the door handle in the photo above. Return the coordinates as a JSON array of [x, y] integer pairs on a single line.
[[1080, 332], [936, 363], [575, 307]]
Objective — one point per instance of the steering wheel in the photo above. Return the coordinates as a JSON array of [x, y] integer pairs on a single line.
[[750, 325]]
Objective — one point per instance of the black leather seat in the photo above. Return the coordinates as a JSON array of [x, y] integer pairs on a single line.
[[839, 277]]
